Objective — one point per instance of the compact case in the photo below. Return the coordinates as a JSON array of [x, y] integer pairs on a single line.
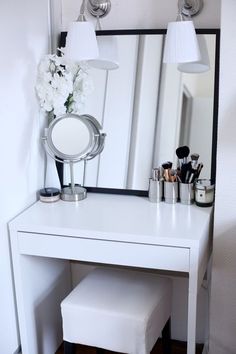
[[49, 195]]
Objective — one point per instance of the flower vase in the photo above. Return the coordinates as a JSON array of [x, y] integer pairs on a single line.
[[51, 173]]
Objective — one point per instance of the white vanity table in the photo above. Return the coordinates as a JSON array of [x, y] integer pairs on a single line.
[[104, 228]]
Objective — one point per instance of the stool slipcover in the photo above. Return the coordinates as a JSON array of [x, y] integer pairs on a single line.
[[119, 310]]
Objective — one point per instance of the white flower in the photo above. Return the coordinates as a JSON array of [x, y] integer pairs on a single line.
[[62, 87]]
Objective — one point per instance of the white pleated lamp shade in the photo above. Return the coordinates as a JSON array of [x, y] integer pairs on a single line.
[[199, 66], [81, 42], [108, 54], [181, 45]]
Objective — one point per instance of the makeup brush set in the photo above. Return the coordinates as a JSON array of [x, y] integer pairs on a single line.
[[170, 184], [188, 171]]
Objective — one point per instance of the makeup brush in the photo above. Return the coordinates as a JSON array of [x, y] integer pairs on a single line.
[[182, 153], [166, 167], [194, 164], [178, 174], [194, 158], [195, 173], [172, 175], [199, 168], [186, 171]]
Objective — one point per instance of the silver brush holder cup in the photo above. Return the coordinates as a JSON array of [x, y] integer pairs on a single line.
[[186, 193], [170, 192], [155, 191]]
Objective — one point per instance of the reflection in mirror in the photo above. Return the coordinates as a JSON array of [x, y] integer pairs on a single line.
[[148, 109], [79, 133]]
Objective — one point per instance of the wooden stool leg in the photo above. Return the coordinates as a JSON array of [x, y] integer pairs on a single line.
[[69, 348], [166, 338], [100, 351]]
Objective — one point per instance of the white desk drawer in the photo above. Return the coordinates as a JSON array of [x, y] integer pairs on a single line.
[[105, 251]]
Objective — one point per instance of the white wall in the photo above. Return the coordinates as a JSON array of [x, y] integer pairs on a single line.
[[223, 298], [24, 29], [129, 14], [145, 14]]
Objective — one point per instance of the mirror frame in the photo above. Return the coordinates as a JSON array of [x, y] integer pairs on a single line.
[[216, 32]]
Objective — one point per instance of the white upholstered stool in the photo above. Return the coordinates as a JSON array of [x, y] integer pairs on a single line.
[[119, 310]]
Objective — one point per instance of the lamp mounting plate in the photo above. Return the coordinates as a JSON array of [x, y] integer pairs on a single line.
[[99, 8], [190, 7]]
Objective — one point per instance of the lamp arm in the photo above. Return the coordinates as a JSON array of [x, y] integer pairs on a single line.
[[82, 8], [81, 17]]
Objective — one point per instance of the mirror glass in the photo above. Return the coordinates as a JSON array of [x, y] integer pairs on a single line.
[[147, 110], [72, 138], [79, 133]]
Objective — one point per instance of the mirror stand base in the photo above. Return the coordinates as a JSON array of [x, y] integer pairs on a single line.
[[73, 195]]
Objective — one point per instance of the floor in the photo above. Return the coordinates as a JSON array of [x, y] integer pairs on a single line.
[[177, 348]]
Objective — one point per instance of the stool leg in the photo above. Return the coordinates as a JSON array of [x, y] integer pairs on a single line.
[[166, 338], [100, 351], [69, 348]]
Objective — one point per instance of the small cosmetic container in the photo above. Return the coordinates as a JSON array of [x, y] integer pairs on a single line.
[[204, 193], [155, 192], [49, 195]]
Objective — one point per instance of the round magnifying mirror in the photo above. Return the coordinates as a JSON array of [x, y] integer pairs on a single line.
[[71, 138]]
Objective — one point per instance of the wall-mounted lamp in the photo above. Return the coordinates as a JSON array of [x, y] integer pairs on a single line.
[[107, 45], [81, 43], [181, 44]]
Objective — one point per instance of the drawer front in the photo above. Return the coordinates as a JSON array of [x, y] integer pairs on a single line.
[[105, 251]]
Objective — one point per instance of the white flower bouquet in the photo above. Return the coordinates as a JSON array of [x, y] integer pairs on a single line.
[[61, 86]]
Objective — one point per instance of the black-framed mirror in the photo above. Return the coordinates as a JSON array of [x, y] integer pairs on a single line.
[[148, 109]]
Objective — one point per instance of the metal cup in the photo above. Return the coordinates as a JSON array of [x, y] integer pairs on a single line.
[[186, 193], [170, 192], [155, 192]]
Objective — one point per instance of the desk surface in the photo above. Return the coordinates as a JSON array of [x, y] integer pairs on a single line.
[[118, 218]]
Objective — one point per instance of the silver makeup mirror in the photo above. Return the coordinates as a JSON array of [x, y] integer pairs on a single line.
[[71, 138], [148, 109]]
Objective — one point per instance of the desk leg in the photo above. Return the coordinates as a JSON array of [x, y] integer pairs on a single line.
[[192, 305], [40, 285]]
